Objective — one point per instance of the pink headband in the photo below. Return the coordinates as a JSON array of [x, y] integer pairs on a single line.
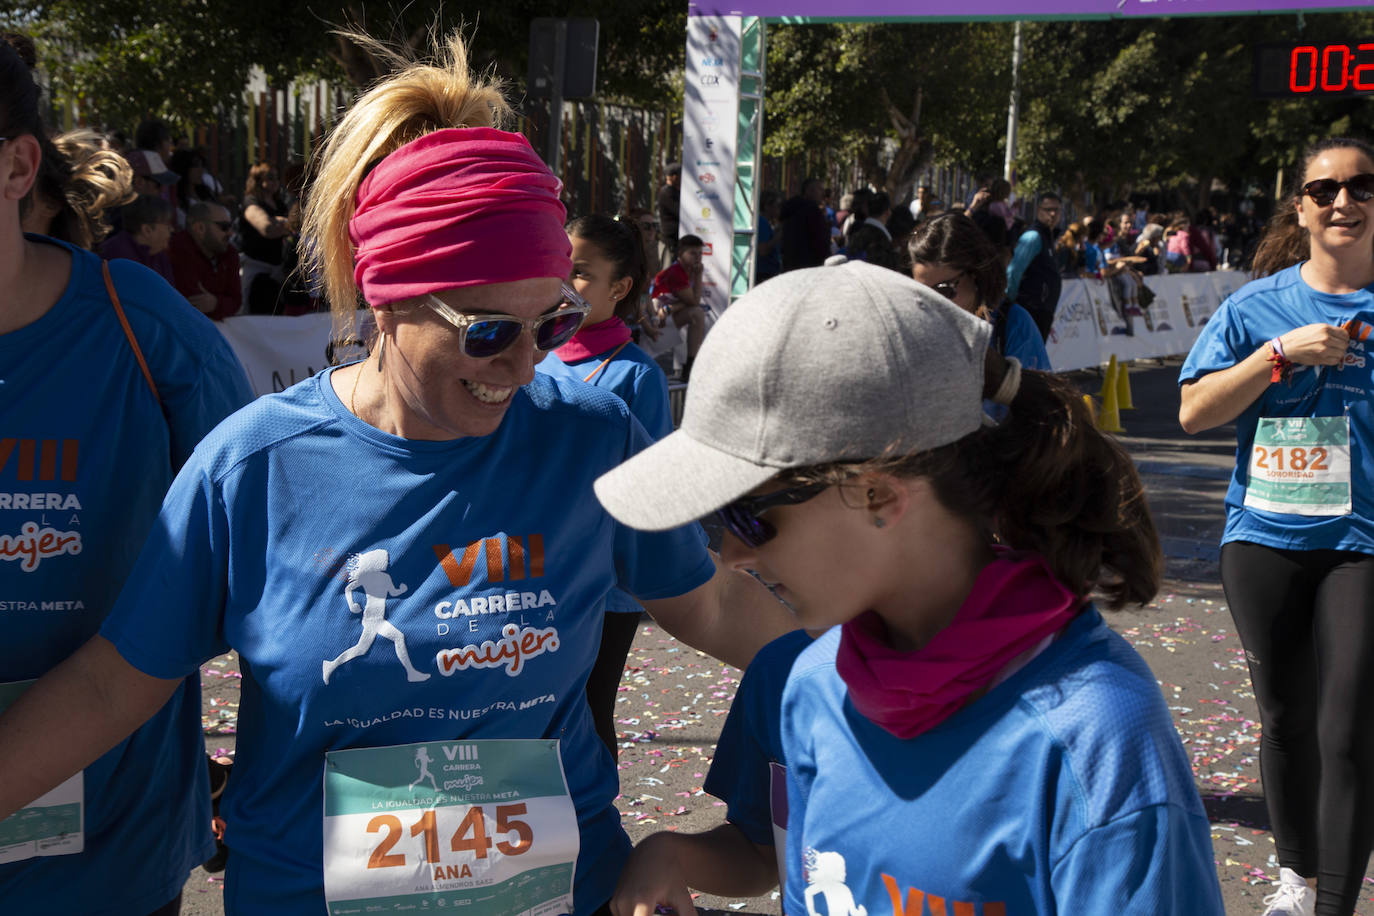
[[457, 207]]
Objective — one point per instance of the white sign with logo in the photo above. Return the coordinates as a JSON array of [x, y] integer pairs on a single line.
[[710, 113]]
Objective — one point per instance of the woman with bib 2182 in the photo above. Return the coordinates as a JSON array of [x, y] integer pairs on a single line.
[[1284, 359]]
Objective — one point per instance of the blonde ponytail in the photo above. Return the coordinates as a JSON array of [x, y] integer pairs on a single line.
[[418, 98]]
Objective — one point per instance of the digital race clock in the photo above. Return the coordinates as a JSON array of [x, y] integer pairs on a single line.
[[1314, 69]]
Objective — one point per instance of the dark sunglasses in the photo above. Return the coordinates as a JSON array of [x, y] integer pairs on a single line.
[[948, 288], [482, 336], [1323, 191], [741, 517]]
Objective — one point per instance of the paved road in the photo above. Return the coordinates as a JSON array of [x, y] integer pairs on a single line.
[[674, 699]]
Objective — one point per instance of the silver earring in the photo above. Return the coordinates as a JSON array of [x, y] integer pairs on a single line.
[[879, 522], [381, 352]]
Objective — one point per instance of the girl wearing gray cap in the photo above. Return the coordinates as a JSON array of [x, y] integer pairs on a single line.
[[968, 730]]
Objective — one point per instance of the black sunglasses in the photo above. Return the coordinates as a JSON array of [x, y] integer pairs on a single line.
[[741, 517], [1323, 191], [482, 336], [948, 288]]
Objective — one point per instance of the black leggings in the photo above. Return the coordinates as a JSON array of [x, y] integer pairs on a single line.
[[1306, 619], [618, 630]]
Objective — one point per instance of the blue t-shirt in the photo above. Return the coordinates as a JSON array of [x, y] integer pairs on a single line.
[[741, 773], [1252, 315], [260, 547], [86, 454], [1021, 339], [1027, 247], [636, 379], [1093, 260], [1064, 789]]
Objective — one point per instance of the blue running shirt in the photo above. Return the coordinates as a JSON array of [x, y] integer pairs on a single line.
[[487, 560], [86, 454], [1252, 315], [1064, 789]]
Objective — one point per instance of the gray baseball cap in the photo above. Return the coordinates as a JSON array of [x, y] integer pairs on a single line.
[[826, 364]]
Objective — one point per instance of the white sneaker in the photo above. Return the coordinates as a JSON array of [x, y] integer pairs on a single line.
[[1293, 897]]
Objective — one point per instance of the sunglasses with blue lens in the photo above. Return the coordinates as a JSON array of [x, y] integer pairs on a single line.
[[741, 517], [484, 335]]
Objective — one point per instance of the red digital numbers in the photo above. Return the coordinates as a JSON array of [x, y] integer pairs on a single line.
[[1333, 68], [1295, 66]]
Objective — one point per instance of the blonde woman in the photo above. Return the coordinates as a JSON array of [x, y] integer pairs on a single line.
[[444, 450]]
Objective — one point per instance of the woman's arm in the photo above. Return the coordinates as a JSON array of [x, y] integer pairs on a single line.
[[720, 861], [56, 729], [731, 616], [269, 227], [1219, 397]]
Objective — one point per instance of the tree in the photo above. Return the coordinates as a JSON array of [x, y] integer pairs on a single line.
[[916, 92], [188, 61]]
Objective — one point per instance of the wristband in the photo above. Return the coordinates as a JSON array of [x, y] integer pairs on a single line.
[[1283, 367]]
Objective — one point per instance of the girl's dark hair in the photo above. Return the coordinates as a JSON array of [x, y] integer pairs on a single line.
[[620, 243], [1285, 243], [955, 240], [1047, 480]]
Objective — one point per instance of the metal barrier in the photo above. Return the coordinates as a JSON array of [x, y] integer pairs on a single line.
[[677, 399]]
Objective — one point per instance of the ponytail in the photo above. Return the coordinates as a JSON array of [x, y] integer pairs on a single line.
[[1051, 482], [86, 180], [417, 99]]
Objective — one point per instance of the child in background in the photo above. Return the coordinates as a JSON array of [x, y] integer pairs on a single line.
[[608, 272], [969, 733], [677, 291]]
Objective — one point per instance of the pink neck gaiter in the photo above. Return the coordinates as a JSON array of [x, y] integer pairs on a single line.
[[594, 339], [457, 207], [1016, 603]]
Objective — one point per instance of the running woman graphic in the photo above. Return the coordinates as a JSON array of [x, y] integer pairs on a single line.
[[368, 572], [423, 760], [825, 875]]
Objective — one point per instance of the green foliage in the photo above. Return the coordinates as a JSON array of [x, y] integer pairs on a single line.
[[187, 60], [1117, 105], [934, 90]]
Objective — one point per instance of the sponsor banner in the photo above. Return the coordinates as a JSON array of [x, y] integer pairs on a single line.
[[1072, 343], [710, 113], [278, 352]]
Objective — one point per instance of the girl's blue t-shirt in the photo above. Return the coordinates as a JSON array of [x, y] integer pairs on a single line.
[[634, 377], [86, 454], [1064, 789], [253, 551], [1256, 313]]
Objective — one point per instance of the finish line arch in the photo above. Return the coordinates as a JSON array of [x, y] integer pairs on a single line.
[[722, 124]]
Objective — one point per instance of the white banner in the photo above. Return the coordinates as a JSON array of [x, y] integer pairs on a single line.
[[1087, 331], [710, 110], [1072, 343], [278, 352]]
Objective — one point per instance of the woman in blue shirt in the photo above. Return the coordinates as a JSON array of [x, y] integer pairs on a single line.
[[406, 554], [952, 256], [1285, 360]]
